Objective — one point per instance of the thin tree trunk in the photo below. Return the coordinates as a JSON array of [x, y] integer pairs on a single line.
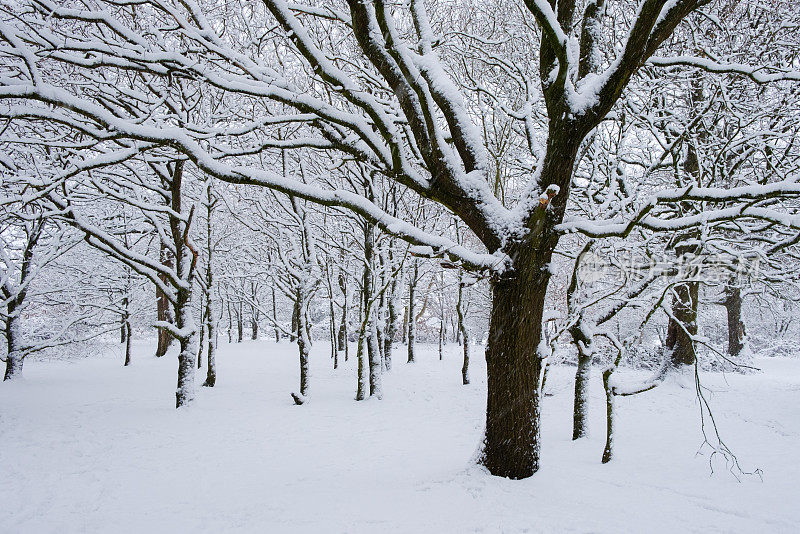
[[363, 333], [462, 329], [391, 326], [254, 314], [230, 322], [202, 335], [608, 451], [128, 342], [412, 323], [334, 341], [380, 317], [275, 316], [211, 369], [404, 335], [442, 323], [209, 323], [362, 364], [343, 333], [373, 350], [332, 319], [239, 322]]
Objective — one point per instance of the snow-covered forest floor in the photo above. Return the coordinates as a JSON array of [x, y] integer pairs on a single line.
[[88, 445]]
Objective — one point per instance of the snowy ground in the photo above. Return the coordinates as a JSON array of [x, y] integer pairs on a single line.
[[90, 446]]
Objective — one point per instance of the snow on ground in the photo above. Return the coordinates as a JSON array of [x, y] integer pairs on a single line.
[[90, 446]]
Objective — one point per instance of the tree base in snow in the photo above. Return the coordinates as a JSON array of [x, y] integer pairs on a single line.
[[299, 399]]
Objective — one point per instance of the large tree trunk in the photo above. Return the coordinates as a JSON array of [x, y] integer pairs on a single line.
[[514, 369], [736, 331], [15, 355], [186, 358], [185, 392], [682, 326], [13, 366], [516, 350]]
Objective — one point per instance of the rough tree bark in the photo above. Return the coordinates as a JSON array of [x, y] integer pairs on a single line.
[[370, 328], [303, 347], [163, 305], [185, 265], [15, 355], [514, 368], [608, 451], [736, 330], [239, 321], [210, 326], [515, 352], [682, 325], [583, 343]]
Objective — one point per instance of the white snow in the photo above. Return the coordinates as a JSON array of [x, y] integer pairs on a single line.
[[90, 446]]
